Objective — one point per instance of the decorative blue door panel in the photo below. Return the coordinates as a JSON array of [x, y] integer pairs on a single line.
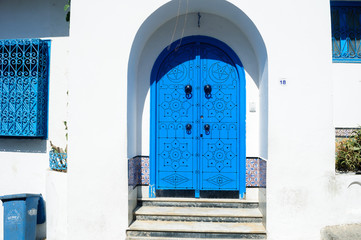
[[175, 120], [219, 117], [175, 163], [219, 162], [176, 180], [224, 181], [219, 155], [198, 113]]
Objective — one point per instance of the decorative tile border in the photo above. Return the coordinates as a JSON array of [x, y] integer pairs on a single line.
[[134, 167], [344, 132], [138, 171], [145, 171], [255, 172], [263, 173]]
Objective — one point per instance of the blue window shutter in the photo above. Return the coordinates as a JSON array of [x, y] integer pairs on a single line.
[[24, 72], [346, 31]]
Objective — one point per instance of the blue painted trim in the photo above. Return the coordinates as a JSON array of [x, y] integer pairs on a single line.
[[242, 134], [242, 98], [345, 60], [197, 144], [46, 136], [152, 148]]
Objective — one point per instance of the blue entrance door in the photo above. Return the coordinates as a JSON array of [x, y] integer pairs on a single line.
[[198, 119]]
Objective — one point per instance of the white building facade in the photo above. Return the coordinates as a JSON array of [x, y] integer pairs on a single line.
[[295, 97]]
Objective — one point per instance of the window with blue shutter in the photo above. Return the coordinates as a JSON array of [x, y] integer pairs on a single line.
[[24, 72], [346, 31]]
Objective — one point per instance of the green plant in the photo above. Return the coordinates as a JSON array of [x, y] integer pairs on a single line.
[[348, 153], [67, 10], [57, 149]]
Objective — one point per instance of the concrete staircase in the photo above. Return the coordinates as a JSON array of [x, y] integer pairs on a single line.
[[189, 218]]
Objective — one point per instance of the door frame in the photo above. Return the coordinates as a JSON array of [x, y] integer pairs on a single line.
[[242, 107]]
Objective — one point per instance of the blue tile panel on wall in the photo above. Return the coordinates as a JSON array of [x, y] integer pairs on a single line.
[[344, 132], [134, 169], [138, 171], [24, 65], [256, 172]]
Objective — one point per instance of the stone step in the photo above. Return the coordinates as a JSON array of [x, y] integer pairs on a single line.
[[177, 238], [196, 230], [198, 214], [198, 202]]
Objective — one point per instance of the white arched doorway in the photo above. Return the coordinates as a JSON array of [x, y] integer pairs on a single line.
[[220, 20]]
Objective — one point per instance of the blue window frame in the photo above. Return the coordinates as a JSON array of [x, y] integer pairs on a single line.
[[346, 31], [24, 72]]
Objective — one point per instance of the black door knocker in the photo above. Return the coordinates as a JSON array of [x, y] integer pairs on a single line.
[[208, 91], [188, 91], [189, 128], [207, 128]]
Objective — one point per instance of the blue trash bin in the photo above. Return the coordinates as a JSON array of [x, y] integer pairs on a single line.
[[21, 214]]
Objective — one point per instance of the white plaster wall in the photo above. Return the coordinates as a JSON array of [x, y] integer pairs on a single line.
[[300, 117], [344, 194], [132, 202], [297, 119], [24, 162], [347, 97], [214, 26], [56, 206], [263, 115], [101, 38], [58, 88], [262, 198], [252, 118]]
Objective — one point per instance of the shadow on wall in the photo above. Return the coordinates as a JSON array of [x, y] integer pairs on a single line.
[[33, 19], [22, 145]]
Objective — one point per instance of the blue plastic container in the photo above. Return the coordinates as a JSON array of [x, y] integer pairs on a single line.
[[21, 214]]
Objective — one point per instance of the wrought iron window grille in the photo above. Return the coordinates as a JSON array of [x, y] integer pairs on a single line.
[[346, 31], [24, 73]]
